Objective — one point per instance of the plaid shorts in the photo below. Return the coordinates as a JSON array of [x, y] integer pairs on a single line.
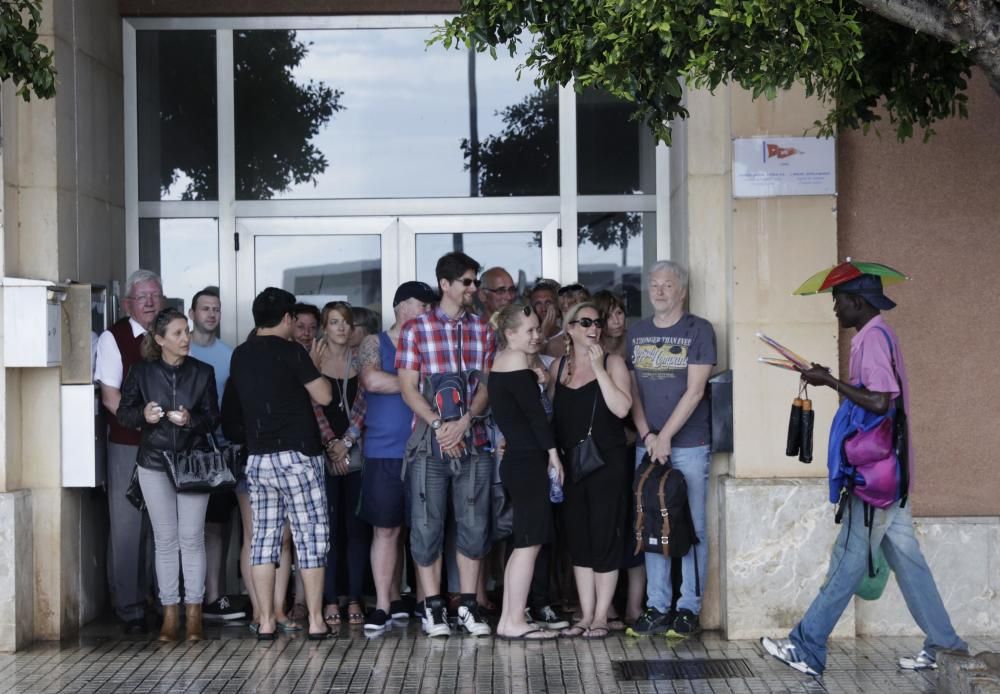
[[290, 484]]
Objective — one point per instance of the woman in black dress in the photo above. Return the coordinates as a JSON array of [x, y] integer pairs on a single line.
[[591, 391], [528, 460]]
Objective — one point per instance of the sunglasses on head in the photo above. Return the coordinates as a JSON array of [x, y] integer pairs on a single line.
[[466, 281], [571, 288], [526, 310], [587, 322]]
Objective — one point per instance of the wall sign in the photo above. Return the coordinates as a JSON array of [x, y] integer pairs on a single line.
[[767, 167]]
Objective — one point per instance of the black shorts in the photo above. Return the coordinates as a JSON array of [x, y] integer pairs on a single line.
[[384, 497], [220, 507]]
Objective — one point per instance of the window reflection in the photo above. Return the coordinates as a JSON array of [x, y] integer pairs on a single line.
[[610, 254], [184, 252], [375, 113], [518, 252], [615, 155], [176, 113], [318, 269]]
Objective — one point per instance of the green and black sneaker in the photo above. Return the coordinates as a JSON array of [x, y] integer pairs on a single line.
[[685, 624], [652, 622]]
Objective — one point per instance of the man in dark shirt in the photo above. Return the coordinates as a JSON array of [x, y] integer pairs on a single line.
[[276, 382]]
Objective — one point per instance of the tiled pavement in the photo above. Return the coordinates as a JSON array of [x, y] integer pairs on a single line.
[[404, 661]]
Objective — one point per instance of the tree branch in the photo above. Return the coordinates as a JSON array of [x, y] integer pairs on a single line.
[[925, 16]]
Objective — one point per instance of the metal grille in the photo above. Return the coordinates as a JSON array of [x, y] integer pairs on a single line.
[[632, 670]]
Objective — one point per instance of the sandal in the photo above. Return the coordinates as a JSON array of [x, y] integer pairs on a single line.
[[616, 625], [573, 632], [289, 625], [596, 633], [356, 616], [332, 615], [530, 635]]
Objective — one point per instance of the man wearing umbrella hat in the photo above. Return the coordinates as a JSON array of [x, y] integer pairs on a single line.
[[876, 376]]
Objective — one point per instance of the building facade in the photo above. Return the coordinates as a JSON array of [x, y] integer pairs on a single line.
[[325, 148]]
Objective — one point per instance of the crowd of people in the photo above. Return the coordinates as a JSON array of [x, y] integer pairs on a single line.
[[423, 456]]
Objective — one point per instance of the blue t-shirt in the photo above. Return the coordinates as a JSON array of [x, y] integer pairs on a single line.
[[388, 419], [660, 357], [219, 356]]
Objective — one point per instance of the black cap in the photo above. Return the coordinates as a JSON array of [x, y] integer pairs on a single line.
[[414, 290], [868, 287]]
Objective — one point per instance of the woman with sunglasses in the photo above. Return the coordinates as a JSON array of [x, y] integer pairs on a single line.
[[612, 308], [529, 458], [590, 393]]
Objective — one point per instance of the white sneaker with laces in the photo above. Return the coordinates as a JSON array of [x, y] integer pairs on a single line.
[[785, 651], [435, 622], [470, 620], [921, 661]]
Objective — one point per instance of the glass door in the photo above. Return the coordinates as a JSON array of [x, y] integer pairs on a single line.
[[318, 260], [524, 245]]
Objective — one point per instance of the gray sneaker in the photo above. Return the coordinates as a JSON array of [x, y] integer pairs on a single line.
[[786, 651], [921, 661]]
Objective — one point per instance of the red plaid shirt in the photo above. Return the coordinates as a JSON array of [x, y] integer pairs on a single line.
[[429, 343]]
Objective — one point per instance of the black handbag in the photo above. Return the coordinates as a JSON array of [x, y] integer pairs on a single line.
[[134, 491], [203, 470], [585, 457]]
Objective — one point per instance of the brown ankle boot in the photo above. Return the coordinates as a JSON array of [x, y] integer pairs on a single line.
[[194, 628], [171, 622]]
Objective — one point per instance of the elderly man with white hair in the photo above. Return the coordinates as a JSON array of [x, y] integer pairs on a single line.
[[117, 352], [671, 356]]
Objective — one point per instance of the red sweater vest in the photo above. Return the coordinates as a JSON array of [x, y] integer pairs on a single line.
[[129, 346]]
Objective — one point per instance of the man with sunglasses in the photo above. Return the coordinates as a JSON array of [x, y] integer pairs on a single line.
[[443, 360], [671, 356], [497, 290]]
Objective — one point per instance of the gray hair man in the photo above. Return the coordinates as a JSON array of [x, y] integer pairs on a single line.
[[671, 356], [497, 290], [117, 352]]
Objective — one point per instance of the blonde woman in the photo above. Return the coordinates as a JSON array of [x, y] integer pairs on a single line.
[[590, 392], [529, 459]]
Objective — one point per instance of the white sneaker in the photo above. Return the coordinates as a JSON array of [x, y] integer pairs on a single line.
[[785, 651], [470, 620], [435, 620], [921, 661]]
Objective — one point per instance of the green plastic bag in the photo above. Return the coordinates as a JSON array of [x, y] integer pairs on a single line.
[[872, 588]]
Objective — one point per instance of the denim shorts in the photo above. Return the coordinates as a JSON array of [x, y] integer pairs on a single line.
[[385, 501], [432, 481]]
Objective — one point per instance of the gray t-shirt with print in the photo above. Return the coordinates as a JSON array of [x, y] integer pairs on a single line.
[[660, 357]]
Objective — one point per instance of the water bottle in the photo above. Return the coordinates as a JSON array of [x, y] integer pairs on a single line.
[[555, 488]]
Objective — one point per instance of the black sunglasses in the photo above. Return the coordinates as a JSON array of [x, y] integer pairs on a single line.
[[526, 310], [587, 322], [466, 281], [571, 288]]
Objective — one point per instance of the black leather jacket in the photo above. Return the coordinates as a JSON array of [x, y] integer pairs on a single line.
[[191, 384]]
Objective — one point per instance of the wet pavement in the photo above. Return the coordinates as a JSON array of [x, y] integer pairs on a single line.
[[403, 660]]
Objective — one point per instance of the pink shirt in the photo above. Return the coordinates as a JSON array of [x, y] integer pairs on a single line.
[[871, 366]]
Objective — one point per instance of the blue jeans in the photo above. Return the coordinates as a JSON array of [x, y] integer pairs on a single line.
[[893, 528], [693, 463]]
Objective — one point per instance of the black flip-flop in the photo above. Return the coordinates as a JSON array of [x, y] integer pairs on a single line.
[[564, 635], [263, 636], [588, 636], [321, 636], [524, 636]]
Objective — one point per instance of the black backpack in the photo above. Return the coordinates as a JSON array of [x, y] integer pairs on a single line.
[[663, 522]]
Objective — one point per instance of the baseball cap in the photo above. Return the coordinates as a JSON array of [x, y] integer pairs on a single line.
[[414, 290], [869, 287]]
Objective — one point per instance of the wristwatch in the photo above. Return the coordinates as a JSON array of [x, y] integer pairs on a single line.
[[437, 424], [348, 442]]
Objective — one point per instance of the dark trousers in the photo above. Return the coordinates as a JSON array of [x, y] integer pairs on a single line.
[[350, 539]]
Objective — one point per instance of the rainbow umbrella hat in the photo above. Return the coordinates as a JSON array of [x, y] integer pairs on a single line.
[[846, 271]]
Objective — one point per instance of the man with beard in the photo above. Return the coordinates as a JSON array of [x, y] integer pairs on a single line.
[[443, 359], [206, 315]]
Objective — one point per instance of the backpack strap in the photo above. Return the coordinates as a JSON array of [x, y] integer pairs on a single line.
[[665, 514], [640, 516]]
